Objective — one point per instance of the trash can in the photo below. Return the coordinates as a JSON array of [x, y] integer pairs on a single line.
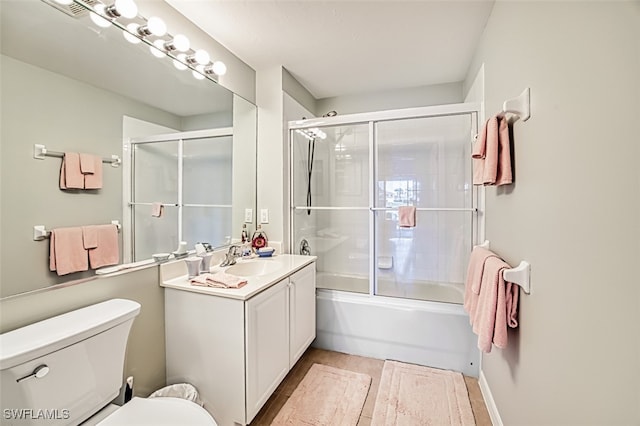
[[179, 390]]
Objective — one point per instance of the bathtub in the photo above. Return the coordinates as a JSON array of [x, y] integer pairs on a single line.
[[428, 333], [389, 286]]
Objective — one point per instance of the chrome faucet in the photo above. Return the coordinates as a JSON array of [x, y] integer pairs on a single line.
[[231, 256]]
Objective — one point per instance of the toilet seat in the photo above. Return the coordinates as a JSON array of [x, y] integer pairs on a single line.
[[159, 411]]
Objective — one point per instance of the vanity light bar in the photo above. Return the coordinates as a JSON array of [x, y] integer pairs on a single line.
[[151, 31]]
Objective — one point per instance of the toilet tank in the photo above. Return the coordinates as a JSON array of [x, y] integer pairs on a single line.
[[79, 360]]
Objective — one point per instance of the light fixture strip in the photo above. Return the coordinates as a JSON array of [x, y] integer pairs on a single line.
[[169, 53]]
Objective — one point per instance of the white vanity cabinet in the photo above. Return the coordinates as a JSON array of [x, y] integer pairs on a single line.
[[237, 350], [267, 330], [302, 312]]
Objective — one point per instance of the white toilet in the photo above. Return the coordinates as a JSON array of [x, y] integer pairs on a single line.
[[67, 369]]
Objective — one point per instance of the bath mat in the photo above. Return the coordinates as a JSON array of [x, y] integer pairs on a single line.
[[326, 396], [415, 395]]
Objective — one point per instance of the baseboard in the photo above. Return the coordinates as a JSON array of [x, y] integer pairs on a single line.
[[489, 401]]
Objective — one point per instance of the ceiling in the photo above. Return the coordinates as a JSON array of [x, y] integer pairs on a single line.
[[337, 48]]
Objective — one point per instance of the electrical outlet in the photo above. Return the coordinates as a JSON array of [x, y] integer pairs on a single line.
[[248, 215], [264, 215]]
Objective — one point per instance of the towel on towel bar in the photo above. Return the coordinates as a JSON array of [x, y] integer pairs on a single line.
[[80, 171], [492, 154], [474, 278], [108, 251], [92, 180], [70, 175], [219, 279], [495, 305], [156, 209], [87, 164], [89, 237], [407, 216], [66, 251]]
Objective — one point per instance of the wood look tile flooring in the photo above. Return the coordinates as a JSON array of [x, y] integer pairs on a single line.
[[370, 366]]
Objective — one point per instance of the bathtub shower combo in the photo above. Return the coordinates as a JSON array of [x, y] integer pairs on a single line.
[[383, 290]]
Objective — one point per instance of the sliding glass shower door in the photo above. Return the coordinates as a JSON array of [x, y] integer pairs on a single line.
[[348, 182], [331, 203], [424, 163]]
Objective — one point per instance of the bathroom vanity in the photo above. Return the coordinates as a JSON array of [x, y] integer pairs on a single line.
[[236, 345]]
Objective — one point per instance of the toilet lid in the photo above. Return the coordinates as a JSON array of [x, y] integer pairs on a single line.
[[159, 411]]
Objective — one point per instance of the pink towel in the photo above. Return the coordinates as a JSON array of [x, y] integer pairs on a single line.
[[90, 237], [66, 251], [70, 175], [108, 251], [473, 283], [492, 154], [87, 164], [406, 216], [496, 308], [156, 209], [93, 180], [219, 279]]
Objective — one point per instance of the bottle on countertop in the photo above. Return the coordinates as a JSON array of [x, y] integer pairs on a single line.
[[244, 237], [259, 239]]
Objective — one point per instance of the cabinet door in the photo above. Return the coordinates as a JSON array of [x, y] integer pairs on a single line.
[[267, 342], [302, 302]]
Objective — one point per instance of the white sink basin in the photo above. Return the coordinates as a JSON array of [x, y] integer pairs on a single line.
[[248, 268]]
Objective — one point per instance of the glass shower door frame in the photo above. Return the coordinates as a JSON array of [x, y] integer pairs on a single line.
[[128, 180], [472, 109]]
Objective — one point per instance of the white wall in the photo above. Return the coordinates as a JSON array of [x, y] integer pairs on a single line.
[[240, 77], [271, 150], [572, 212]]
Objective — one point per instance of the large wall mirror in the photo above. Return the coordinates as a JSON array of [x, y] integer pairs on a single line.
[[73, 86]]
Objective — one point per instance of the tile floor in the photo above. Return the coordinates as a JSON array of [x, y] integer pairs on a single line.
[[370, 366]]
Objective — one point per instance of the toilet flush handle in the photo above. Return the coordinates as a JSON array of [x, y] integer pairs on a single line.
[[39, 372]]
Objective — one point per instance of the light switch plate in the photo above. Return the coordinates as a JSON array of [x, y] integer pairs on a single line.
[[248, 215], [264, 215]]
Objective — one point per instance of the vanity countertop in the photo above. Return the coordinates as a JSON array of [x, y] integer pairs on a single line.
[[174, 275]]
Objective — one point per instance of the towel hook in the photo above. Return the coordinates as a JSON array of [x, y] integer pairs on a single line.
[[520, 106], [520, 275]]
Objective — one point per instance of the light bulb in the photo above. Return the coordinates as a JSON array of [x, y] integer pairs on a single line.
[[156, 26], [198, 75], [219, 68], [157, 49], [96, 18], [201, 57], [65, 2], [180, 43], [179, 65], [126, 8], [132, 29]]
